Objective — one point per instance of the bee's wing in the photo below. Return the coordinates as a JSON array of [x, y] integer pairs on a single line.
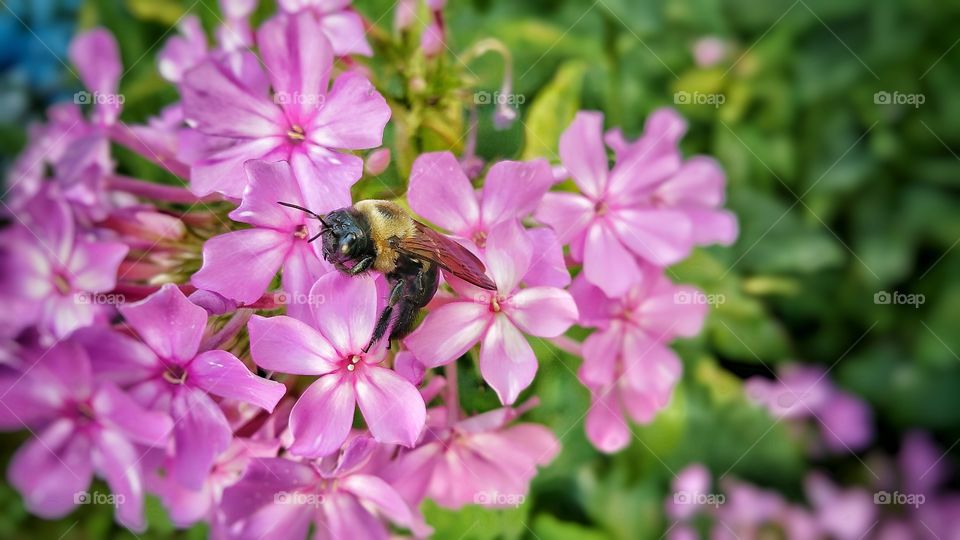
[[429, 244]]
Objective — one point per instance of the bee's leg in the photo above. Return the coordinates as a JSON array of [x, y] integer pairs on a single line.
[[384, 321], [361, 266], [419, 292]]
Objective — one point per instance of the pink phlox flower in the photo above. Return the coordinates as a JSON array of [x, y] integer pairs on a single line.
[[697, 188], [167, 371], [805, 392], [464, 462], [82, 425], [441, 192], [627, 364], [240, 265], [302, 122], [55, 272], [280, 499], [330, 347], [844, 514], [498, 320], [187, 506]]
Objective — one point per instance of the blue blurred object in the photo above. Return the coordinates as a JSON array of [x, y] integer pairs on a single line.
[[34, 36]]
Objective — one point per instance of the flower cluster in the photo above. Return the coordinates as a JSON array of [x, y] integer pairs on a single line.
[[188, 340]]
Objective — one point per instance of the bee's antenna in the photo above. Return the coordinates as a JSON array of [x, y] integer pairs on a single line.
[[310, 213], [314, 237]]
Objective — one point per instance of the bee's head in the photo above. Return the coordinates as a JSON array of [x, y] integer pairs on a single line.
[[345, 235]]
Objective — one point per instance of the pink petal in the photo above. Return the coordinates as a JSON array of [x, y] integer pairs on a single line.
[[594, 307], [392, 407], [345, 310], [567, 213], [97, 58], [263, 479], [222, 170], [507, 362], [662, 237], [182, 52], [607, 263], [241, 264], [51, 468], [270, 183], [345, 517], [673, 311], [713, 226], [116, 357], [605, 426], [332, 399], [94, 265], [287, 345], [119, 463], [513, 189], [441, 193], [353, 115], [547, 267], [201, 433], [583, 154], [325, 177], [383, 497], [222, 374], [699, 182], [543, 311], [651, 372], [635, 174], [508, 256], [222, 105], [298, 59], [601, 353], [301, 270], [346, 33], [114, 408], [169, 323], [447, 332]]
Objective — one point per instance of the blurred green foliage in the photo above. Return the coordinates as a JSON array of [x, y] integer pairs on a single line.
[[839, 198]]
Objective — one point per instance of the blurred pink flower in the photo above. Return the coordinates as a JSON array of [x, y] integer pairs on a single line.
[[433, 36], [168, 372], [844, 514], [804, 391], [280, 499], [302, 123], [441, 192], [53, 272], [709, 51], [83, 425], [626, 362], [240, 265], [463, 463], [497, 320], [344, 311], [691, 486]]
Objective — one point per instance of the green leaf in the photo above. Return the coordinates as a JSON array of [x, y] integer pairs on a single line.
[[552, 111]]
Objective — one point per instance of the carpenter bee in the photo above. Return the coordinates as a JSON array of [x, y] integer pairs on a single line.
[[381, 236]]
